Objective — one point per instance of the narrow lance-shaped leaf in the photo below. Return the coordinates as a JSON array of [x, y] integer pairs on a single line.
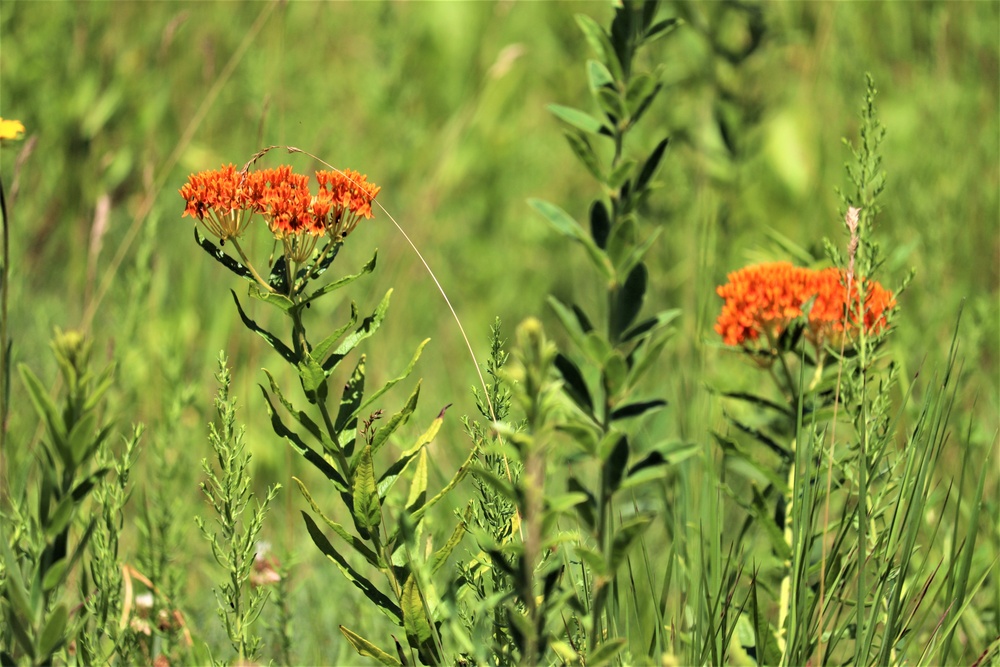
[[302, 448], [353, 540], [416, 624], [389, 427], [390, 476], [396, 380], [367, 508], [418, 485], [636, 409], [44, 406], [440, 556], [341, 282], [272, 340], [354, 391], [222, 258], [321, 349], [388, 607], [301, 417], [368, 649], [369, 326]]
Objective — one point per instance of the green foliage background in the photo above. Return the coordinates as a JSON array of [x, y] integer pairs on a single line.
[[442, 104]]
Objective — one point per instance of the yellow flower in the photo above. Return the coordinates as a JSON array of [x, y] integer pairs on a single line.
[[9, 129]]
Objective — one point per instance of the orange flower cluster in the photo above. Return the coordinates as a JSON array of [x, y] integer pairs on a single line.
[[763, 300], [225, 199]]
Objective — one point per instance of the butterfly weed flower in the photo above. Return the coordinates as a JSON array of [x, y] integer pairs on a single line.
[[761, 301], [218, 199], [345, 197]]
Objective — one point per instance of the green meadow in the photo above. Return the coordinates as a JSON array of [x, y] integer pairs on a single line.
[[650, 495]]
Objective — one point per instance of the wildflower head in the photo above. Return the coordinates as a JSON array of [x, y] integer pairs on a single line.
[[761, 301], [11, 129], [346, 197], [218, 199]]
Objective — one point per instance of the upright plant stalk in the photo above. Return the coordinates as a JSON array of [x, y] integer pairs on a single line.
[[338, 440], [618, 348]]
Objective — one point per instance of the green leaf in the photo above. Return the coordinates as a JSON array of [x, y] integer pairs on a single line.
[[611, 104], [388, 607], [390, 476], [651, 165], [301, 417], [587, 509], [313, 379], [416, 624], [341, 282], [321, 350], [389, 427], [615, 373], [574, 384], [356, 542], [418, 485], [636, 409], [54, 633], [614, 464], [302, 448], [600, 223], [566, 225], [13, 585], [569, 321], [272, 340], [452, 483], [661, 29], [595, 561], [46, 409], [393, 382], [605, 652], [601, 44], [367, 508], [369, 326], [622, 240], [619, 175], [440, 556], [347, 421], [367, 649], [274, 298], [222, 258], [640, 89], [646, 355], [598, 76], [578, 119], [627, 300], [660, 319], [625, 538], [585, 152], [61, 517]]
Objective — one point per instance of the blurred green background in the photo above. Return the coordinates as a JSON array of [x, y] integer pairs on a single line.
[[443, 105]]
